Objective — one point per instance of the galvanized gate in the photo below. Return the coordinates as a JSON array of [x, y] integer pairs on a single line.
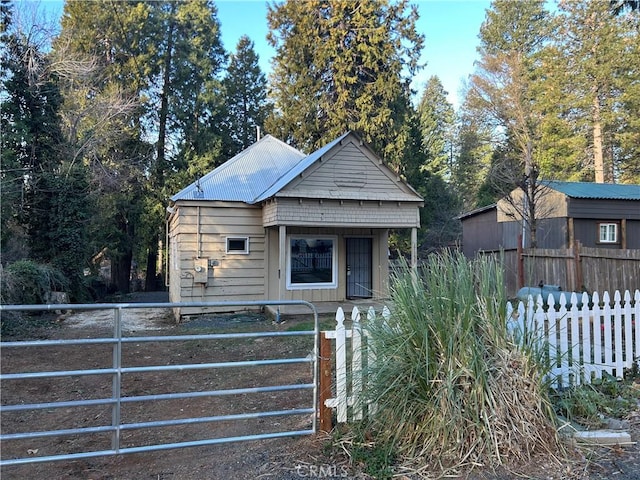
[[117, 371]]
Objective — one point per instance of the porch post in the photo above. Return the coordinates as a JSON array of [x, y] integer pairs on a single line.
[[282, 265], [414, 247]]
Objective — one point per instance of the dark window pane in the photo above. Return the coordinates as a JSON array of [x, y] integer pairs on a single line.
[[311, 260]]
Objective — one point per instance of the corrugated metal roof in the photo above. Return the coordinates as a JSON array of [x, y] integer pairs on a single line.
[[603, 191], [246, 176]]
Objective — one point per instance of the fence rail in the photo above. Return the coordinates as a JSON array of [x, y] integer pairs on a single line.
[[580, 344], [117, 370]]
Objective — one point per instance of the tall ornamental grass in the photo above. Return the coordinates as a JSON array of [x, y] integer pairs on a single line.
[[451, 388]]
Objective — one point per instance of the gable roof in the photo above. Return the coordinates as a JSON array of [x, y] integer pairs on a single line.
[[298, 169], [246, 176], [599, 191], [260, 172]]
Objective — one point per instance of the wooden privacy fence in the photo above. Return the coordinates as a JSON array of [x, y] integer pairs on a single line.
[[581, 337], [575, 269]]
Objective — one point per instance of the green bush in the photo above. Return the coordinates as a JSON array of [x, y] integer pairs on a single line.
[[453, 389], [26, 282]]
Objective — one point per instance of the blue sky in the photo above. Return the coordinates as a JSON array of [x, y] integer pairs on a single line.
[[450, 27]]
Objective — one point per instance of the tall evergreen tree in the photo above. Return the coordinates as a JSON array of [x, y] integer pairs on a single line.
[[103, 106], [184, 57], [471, 160], [39, 183], [436, 117], [598, 51], [343, 65], [245, 88], [160, 62]]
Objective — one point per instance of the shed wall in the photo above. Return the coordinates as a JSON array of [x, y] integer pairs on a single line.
[[604, 209], [481, 232]]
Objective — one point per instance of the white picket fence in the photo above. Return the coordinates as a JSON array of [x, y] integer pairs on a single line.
[[581, 343], [349, 378]]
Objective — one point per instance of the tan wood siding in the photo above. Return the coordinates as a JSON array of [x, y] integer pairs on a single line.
[[340, 213], [230, 276], [350, 171], [550, 204], [380, 267]]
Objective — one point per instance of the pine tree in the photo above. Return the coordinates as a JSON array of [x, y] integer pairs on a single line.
[[599, 52], [504, 89], [245, 88], [147, 111], [436, 117], [343, 65]]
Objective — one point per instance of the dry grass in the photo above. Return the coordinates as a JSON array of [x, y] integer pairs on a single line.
[[454, 392]]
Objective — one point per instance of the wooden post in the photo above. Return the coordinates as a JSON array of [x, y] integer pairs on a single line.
[[578, 266], [520, 263], [325, 383]]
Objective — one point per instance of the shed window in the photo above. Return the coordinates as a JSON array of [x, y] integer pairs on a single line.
[[237, 244], [312, 263], [608, 232]]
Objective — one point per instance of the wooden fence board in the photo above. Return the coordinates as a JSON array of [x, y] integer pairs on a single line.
[[573, 269]]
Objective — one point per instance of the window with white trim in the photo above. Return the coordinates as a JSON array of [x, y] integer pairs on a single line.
[[238, 245], [608, 232], [311, 262]]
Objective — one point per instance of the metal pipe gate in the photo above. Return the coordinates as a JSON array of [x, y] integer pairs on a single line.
[[116, 401]]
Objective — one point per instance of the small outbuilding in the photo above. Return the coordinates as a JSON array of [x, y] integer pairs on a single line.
[[598, 215], [275, 224]]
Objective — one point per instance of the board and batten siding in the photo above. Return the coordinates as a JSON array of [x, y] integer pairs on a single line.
[[604, 209], [199, 231]]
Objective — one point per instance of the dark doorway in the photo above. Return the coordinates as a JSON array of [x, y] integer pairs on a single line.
[[359, 283]]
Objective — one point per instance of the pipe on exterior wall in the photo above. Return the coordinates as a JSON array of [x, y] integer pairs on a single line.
[[198, 241], [170, 211], [167, 253]]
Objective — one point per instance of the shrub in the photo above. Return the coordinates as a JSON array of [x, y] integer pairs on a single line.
[[453, 389], [26, 282]]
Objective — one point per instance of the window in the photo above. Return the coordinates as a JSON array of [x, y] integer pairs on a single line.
[[312, 263], [608, 232], [238, 245]]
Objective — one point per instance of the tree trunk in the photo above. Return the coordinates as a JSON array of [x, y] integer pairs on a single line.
[[121, 272], [152, 248], [150, 283], [598, 154]]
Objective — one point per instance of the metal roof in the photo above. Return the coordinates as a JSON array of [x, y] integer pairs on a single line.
[[602, 191], [246, 176], [262, 171]]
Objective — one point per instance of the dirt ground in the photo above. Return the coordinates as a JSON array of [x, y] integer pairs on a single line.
[[282, 458]]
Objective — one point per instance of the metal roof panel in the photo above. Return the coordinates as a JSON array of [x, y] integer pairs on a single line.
[[247, 175], [603, 191]]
